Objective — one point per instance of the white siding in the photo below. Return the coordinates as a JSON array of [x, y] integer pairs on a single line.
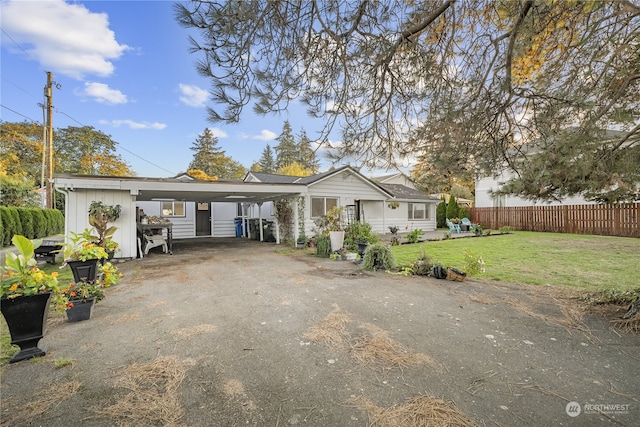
[[77, 216], [487, 184], [223, 215]]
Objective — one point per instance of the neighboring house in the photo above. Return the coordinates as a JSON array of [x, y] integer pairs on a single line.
[[396, 178], [363, 199], [485, 186]]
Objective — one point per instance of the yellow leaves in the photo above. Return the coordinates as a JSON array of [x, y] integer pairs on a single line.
[[201, 175]]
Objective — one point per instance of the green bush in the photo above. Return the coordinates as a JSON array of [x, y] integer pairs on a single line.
[[15, 218], [8, 225], [452, 207], [26, 222], [441, 214], [378, 257], [39, 224], [323, 246], [463, 212], [414, 235], [357, 232]]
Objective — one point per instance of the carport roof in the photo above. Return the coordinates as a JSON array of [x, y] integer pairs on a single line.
[[151, 189]]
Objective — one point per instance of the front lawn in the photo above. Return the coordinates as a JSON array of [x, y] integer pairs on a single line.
[[590, 262]]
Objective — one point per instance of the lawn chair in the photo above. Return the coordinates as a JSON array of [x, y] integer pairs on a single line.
[[467, 223], [453, 228], [153, 241]]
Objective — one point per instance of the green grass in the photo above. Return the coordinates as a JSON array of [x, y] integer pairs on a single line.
[[588, 262]]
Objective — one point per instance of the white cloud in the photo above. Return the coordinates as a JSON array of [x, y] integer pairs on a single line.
[[62, 37], [218, 133], [104, 94], [134, 125], [193, 96], [265, 135]]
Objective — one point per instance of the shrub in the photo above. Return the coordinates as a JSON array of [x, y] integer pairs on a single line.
[[26, 221], [39, 224], [441, 214], [505, 229], [422, 266], [378, 257], [414, 235], [463, 212], [323, 246], [474, 265], [359, 232], [8, 225], [452, 207]]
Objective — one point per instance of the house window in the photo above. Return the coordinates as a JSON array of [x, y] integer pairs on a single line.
[[321, 205], [173, 209], [418, 211]]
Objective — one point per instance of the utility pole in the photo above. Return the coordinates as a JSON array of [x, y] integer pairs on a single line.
[[48, 94]]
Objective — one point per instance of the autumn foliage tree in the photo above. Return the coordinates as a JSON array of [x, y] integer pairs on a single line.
[[532, 86]]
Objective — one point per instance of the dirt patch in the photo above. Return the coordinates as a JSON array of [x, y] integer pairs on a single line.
[[45, 400]]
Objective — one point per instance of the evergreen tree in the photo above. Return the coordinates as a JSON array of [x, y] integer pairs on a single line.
[[286, 150], [267, 163], [211, 160], [452, 207], [307, 157]]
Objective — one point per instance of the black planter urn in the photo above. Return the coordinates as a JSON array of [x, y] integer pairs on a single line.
[[27, 321], [361, 248], [81, 310], [84, 271]]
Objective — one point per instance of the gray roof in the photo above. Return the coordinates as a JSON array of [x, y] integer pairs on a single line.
[[400, 191], [273, 178]]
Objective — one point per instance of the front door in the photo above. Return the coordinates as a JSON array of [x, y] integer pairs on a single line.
[[203, 219]]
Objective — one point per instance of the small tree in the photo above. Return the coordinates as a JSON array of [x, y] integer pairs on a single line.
[[441, 214], [452, 207]]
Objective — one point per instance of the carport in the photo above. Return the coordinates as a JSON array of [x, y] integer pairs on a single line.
[[81, 190]]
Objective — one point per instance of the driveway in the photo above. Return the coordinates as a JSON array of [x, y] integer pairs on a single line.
[[232, 332]]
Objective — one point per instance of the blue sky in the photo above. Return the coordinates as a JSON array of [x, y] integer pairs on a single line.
[[124, 68]]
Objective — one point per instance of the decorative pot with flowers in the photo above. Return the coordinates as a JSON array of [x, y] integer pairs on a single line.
[[333, 224], [82, 256], [25, 295], [81, 298]]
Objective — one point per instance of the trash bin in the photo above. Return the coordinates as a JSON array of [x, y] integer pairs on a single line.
[[238, 224]]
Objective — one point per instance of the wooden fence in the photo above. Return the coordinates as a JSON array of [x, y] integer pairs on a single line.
[[604, 220]]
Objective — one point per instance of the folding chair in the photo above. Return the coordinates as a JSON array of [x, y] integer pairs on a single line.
[[453, 228]]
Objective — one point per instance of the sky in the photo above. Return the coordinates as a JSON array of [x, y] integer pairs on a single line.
[[124, 68]]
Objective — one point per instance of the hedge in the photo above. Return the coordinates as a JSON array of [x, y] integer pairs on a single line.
[[33, 223]]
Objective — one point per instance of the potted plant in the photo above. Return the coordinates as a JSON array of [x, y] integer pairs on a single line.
[[82, 296], [25, 293], [100, 215], [82, 256], [333, 221]]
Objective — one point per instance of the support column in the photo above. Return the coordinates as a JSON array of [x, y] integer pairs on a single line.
[[296, 221], [260, 221], [245, 232]]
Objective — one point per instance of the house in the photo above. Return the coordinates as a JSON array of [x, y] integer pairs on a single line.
[[396, 178], [197, 208], [380, 204], [486, 186]]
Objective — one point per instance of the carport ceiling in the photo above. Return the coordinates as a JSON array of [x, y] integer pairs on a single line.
[[168, 189]]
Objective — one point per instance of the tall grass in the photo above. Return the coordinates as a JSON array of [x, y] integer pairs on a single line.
[[589, 262]]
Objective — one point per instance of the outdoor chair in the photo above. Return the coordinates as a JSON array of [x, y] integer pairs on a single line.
[[453, 228], [469, 226], [154, 240]]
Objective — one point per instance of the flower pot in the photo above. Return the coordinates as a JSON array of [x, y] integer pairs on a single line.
[[81, 310], [361, 248], [27, 321], [337, 240], [84, 271]]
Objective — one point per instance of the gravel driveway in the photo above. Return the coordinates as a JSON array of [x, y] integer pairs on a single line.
[[231, 332]]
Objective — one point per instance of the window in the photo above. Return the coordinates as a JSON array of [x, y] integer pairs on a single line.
[[173, 209], [418, 211], [321, 205]]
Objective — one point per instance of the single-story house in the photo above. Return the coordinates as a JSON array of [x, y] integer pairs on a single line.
[[199, 208], [380, 204]]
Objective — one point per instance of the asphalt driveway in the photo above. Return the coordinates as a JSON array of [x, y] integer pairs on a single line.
[[232, 332]]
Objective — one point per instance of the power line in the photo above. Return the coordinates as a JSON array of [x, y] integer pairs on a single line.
[[17, 44], [20, 114]]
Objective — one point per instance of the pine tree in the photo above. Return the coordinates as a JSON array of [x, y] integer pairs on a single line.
[[307, 157], [212, 160], [267, 163], [286, 150]]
